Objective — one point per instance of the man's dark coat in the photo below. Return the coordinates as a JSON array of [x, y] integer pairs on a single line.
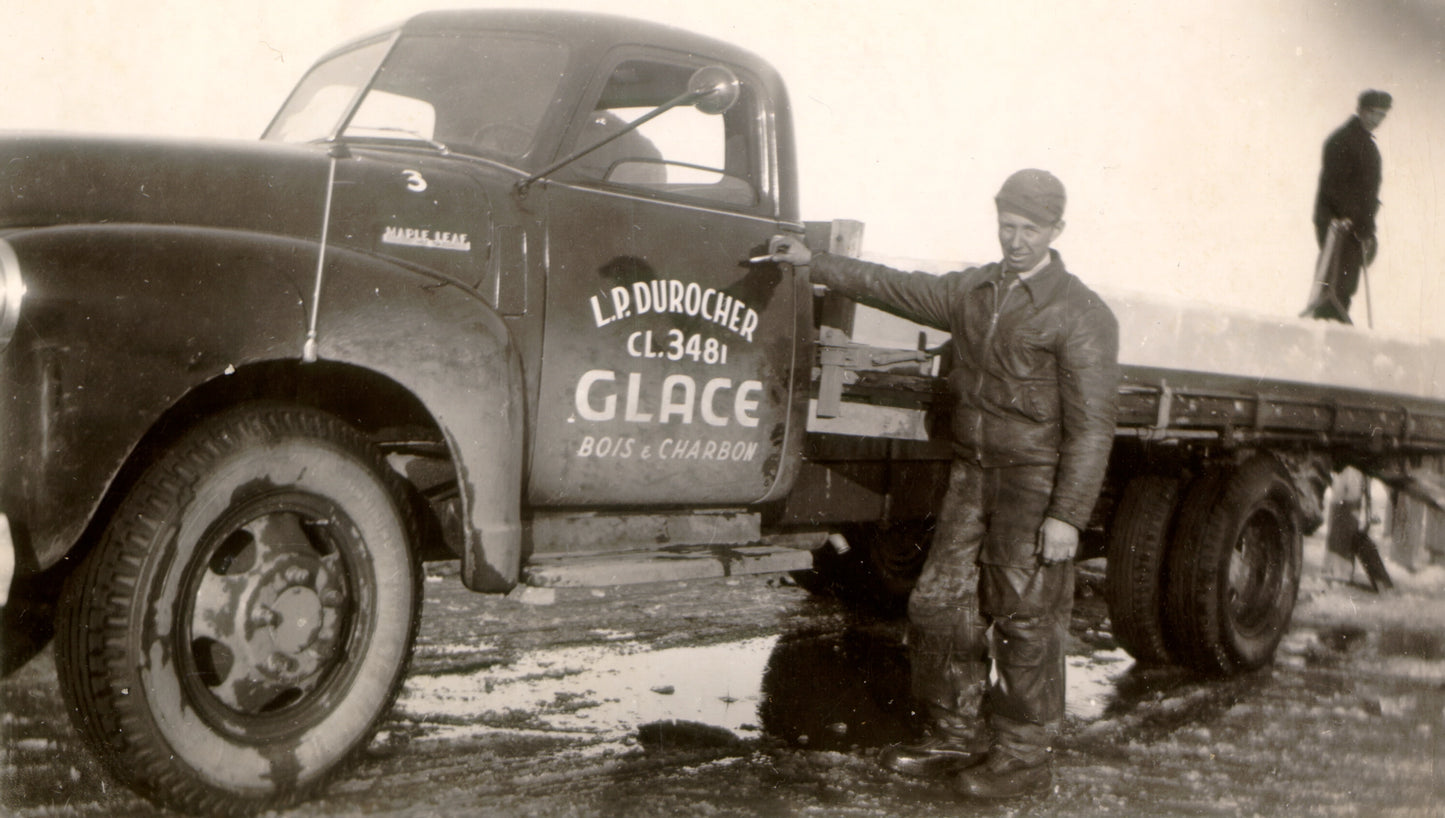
[[1349, 180]]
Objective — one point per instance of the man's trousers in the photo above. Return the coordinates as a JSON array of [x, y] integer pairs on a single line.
[[984, 593], [1351, 256]]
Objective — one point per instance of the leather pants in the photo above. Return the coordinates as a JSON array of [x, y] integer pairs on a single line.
[[984, 594]]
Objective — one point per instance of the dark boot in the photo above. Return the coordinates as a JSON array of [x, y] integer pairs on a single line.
[[934, 757], [1004, 776]]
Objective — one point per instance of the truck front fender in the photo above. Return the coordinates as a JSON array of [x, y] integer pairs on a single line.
[[445, 345], [121, 323]]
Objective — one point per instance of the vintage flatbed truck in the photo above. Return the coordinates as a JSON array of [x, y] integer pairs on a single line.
[[493, 286]]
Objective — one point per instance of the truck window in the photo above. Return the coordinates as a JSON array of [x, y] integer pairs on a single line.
[[684, 153], [384, 113], [315, 108], [484, 94]]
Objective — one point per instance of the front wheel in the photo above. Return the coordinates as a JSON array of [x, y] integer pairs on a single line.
[[246, 620]]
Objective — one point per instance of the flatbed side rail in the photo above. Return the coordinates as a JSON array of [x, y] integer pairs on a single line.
[[1157, 404], [1162, 404]]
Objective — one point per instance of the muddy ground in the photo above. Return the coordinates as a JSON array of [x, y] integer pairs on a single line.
[[756, 696]]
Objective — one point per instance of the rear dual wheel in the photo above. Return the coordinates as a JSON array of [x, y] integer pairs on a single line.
[[246, 621], [894, 557], [880, 566], [1133, 588], [1206, 577], [1232, 580]]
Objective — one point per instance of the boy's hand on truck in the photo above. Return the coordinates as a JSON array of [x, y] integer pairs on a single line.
[[790, 249]]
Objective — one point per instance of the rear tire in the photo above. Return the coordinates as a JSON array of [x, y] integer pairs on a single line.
[[895, 555], [246, 621], [1234, 569], [1134, 580], [881, 565]]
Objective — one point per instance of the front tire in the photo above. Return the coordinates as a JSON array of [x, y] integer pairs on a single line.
[[246, 620]]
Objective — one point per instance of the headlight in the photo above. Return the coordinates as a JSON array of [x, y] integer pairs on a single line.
[[12, 292]]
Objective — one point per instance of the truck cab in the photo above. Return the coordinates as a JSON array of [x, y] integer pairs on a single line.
[[655, 355]]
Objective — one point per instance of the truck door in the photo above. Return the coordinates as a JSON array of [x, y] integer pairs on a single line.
[[667, 356]]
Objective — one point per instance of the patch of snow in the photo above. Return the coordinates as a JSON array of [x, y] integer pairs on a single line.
[[1092, 681], [596, 691], [456, 649]]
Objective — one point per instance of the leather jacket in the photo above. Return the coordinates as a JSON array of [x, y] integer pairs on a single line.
[[1035, 371]]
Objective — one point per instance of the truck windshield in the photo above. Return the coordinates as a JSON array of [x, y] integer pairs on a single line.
[[316, 106], [479, 93]]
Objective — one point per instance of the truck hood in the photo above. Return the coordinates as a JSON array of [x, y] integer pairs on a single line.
[[70, 179]]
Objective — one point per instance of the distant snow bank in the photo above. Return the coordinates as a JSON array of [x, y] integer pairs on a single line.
[[1155, 331]]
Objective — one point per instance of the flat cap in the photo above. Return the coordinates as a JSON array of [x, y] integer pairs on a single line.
[[1375, 99], [1037, 195]]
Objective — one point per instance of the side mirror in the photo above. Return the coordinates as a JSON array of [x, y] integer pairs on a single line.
[[715, 88]]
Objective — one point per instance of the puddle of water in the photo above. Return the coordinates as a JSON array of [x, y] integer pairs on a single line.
[[832, 691]]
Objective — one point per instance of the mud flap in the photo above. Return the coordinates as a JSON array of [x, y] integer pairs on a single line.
[[492, 558]]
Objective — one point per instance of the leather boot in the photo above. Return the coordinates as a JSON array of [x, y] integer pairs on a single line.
[[1004, 776], [933, 757]]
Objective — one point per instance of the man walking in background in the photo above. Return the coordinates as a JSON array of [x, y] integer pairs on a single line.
[[1344, 217], [1348, 199], [1035, 380]]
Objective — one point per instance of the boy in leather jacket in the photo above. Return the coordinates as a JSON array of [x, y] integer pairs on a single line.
[[1035, 381]]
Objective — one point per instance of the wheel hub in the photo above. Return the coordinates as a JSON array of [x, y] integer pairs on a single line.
[[268, 611], [300, 612], [1252, 571], [293, 633]]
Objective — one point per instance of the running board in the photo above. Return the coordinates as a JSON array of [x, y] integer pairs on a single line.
[[666, 565]]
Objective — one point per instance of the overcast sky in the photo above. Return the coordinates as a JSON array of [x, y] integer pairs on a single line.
[[1188, 133]]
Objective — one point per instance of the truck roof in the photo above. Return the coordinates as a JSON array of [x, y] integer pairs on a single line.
[[589, 33]]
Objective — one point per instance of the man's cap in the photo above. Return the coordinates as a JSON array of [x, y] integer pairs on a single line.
[[1375, 99], [1034, 194]]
